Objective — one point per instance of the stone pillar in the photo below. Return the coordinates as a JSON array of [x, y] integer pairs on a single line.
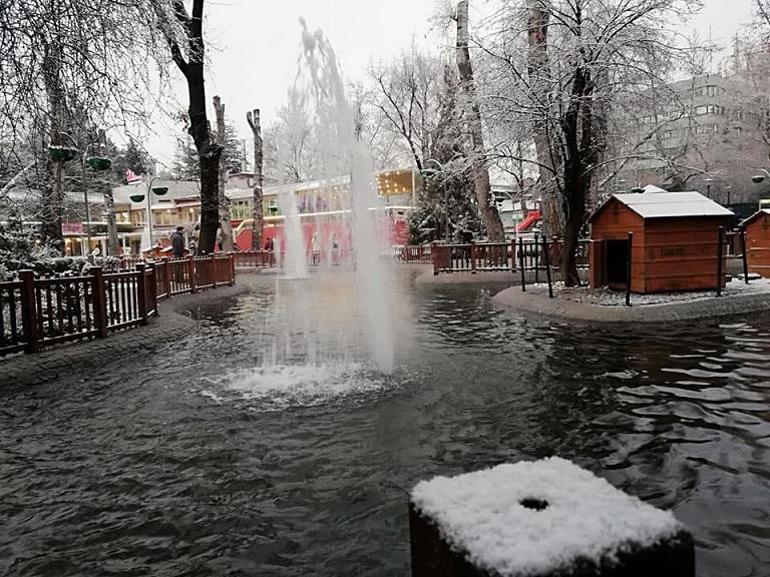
[[541, 519]]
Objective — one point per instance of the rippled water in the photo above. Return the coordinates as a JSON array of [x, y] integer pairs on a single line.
[[220, 456]]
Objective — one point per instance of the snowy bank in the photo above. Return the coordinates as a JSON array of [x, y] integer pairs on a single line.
[[544, 518], [603, 305]]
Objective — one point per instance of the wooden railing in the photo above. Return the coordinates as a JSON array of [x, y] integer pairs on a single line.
[[255, 259], [501, 256], [412, 253], [39, 312]]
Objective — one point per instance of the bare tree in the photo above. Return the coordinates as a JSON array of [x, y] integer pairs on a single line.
[[479, 168], [65, 62], [405, 96], [256, 205], [225, 226], [592, 58], [189, 55]]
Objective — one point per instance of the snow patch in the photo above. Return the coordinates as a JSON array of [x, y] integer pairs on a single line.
[[531, 518], [604, 297]]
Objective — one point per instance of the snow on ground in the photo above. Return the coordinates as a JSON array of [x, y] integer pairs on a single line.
[[609, 298], [482, 513]]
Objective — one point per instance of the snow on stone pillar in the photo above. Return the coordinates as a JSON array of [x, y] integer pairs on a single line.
[[548, 518]]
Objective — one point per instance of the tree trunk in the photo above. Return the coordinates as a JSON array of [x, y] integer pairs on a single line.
[[209, 152], [580, 154], [225, 226], [257, 210], [52, 201], [538, 70], [480, 171]]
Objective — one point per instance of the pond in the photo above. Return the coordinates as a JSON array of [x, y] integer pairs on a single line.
[[228, 453]]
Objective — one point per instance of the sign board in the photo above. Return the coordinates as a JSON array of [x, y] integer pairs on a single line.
[[397, 182], [72, 228]]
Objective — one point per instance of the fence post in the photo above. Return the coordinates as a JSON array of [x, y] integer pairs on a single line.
[[547, 266], [628, 267], [745, 256], [521, 265], [29, 311], [232, 268], [153, 284], [720, 250], [191, 272], [166, 278], [100, 302], [434, 257], [513, 255], [473, 257], [141, 292], [213, 270], [537, 259]]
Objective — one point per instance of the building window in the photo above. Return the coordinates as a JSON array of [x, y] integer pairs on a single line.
[[240, 210]]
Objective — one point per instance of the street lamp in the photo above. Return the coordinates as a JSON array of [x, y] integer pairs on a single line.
[[158, 191], [708, 180], [757, 178], [97, 163], [446, 199]]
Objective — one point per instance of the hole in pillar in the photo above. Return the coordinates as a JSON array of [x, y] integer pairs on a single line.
[[535, 504]]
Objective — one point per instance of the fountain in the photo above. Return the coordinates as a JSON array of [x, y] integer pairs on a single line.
[[318, 93], [294, 263]]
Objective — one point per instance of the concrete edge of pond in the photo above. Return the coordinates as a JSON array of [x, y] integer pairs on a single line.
[[428, 278], [536, 301], [51, 363]]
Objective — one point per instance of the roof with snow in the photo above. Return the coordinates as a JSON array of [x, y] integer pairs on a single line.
[[669, 205], [755, 215], [538, 518]]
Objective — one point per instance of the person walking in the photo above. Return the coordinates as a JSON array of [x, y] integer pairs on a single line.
[[177, 243]]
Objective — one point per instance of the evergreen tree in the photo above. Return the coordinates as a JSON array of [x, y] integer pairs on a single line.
[[186, 165]]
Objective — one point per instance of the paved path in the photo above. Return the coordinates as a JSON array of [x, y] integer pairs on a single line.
[[536, 300], [80, 357]]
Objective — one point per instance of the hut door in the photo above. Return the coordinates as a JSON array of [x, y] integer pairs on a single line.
[[616, 259]]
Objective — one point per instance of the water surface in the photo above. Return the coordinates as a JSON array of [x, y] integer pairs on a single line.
[[227, 453]]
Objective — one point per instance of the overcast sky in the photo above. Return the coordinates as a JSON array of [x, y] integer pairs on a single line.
[[254, 46]]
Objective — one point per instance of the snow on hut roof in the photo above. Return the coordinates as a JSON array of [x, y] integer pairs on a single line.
[[755, 215], [672, 204], [485, 514]]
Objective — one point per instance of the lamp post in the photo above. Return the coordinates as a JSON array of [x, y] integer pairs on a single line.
[[757, 178], [96, 163], [708, 180], [150, 189]]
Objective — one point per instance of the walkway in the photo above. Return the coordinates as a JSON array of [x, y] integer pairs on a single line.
[[536, 300]]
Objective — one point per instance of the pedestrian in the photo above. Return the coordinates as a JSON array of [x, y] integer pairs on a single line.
[[177, 242], [316, 248]]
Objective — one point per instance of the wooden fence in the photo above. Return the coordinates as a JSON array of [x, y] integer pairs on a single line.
[[254, 259], [412, 253], [40, 312], [474, 257]]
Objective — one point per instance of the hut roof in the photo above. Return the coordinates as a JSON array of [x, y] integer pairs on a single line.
[[755, 215], [669, 205]]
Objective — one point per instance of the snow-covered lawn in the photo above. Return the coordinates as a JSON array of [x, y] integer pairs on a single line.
[[535, 518], [609, 298]]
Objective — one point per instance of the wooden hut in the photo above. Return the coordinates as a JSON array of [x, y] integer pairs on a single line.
[[757, 228], [674, 245]]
